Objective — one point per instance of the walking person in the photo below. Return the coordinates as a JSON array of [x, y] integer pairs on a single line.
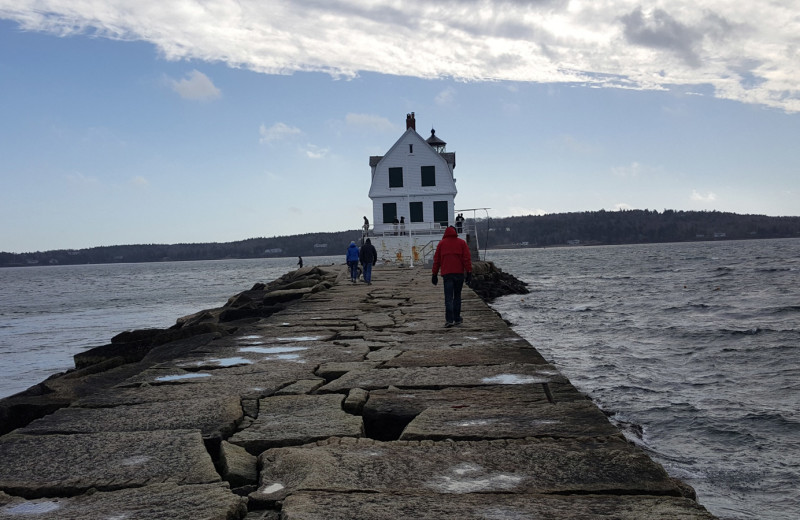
[[300, 261], [352, 261], [368, 257], [460, 223], [453, 258]]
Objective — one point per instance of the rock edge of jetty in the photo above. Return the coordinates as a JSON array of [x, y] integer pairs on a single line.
[[313, 397]]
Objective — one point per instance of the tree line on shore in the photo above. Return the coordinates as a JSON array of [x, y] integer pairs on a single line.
[[580, 228]]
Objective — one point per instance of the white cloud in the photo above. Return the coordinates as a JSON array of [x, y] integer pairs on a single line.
[[369, 122], [697, 197], [746, 51], [277, 132], [195, 86], [622, 206], [315, 152], [446, 97]]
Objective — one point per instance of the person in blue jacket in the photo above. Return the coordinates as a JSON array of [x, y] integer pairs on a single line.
[[352, 261]]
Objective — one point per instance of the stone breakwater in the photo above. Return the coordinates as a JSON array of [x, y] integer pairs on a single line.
[[315, 398]]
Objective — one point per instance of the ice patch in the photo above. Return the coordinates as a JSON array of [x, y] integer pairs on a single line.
[[499, 482], [466, 467], [178, 377], [476, 422], [513, 379], [135, 461], [32, 508], [301, 338], [272, 350], [285, 357], [272, 488], [222, 362], [252, 336]]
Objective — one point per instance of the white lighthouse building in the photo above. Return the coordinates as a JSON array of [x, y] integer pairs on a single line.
[[413, 192]]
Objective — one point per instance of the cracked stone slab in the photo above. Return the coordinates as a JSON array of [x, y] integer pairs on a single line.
[[214, 417], [375, 320], [208, 501], [368, 506], [440, 377], [287, 360], [304, 386], [247, 385], [508, 420], [297, 419], [536, 466], [384, 354], [405, 404], [65, 465], [470, 354], [331, 371]]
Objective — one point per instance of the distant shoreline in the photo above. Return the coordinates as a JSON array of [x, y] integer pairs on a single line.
[[594, 228]]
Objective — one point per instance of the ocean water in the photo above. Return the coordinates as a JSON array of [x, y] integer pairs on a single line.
[[49, 314], [693, 350]]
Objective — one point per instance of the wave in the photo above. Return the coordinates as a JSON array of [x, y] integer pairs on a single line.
[[783, 309]]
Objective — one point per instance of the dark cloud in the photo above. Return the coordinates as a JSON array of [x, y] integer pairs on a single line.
[[659, 30]]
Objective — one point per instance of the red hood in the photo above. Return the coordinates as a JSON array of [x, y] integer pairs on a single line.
[[450, 232]]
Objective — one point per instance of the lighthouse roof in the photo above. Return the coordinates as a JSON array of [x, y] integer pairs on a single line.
[[435, 141]]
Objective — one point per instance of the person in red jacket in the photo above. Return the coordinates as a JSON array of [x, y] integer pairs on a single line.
[[455, 261]]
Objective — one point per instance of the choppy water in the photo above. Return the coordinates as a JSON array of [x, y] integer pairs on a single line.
[[49, 314], [693, 349]]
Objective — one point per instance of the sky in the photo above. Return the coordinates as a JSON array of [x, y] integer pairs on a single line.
[[186, 121]]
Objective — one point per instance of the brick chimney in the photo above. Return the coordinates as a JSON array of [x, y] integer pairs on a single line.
[[411, 122]]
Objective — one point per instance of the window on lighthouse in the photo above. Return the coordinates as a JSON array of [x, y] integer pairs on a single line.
[[440, 213], [389, 212], [415, 211], [429, 175], [395, 177]]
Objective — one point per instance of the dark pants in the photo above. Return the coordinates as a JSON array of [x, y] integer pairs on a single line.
[[353, 270], [452, 297]]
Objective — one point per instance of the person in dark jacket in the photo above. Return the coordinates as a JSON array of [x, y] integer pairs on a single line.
[[455, 261], [368, 257], [352, 261]]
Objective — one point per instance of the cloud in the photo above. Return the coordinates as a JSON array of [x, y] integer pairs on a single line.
[[746, 51], [446, 97], [196, 86], [697, 197], [315, 152], [369, 122], [277, 132], [620, 206]]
